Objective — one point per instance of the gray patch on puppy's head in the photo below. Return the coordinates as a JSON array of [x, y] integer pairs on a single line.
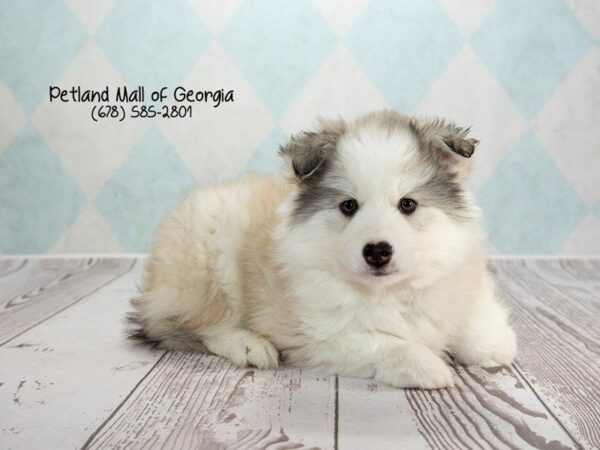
[[310, 156], [314, 197], [444, 192], [307, 151]]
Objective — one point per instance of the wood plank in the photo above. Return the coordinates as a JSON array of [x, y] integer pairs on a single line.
[[43, 287], [488, 409], [202, 401], [556, 305], [34, 274], [61, 379]]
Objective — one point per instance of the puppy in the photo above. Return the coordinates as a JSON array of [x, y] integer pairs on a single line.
[[365, 259]]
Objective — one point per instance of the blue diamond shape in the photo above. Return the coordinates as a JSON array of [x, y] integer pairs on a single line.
[[278, 47], [531, 46], [266, 158], [136, 197], [530, 206], [39, 39], [153, 43], [403, 46], [38, 197]]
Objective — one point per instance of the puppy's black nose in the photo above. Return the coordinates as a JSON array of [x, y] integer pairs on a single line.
[[378, 255]]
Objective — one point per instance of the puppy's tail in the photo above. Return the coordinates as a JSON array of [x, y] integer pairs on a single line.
[[165, 334]]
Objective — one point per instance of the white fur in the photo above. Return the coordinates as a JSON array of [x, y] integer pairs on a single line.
[[232, 269]]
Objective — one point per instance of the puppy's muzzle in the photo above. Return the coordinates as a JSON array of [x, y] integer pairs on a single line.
[[378, 255]]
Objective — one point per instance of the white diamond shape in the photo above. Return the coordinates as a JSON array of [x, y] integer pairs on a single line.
[[338, 88], [569, 126], [585, 239], [90, 233], [469, 95], [12, 117], [468, 14], [341, 15], [90, 13], [217, 142], [215, 15], [90, 150], [588, 13]]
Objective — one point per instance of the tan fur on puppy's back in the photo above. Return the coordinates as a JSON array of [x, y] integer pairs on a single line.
[[197, 250]]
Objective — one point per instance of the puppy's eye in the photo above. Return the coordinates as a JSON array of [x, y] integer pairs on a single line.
[[407, 205], [349, 207]]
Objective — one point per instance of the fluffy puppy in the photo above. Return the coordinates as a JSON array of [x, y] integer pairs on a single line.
[[364, 259]]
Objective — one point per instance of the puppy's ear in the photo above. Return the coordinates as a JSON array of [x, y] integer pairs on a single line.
[[444, 142], [308, 151]]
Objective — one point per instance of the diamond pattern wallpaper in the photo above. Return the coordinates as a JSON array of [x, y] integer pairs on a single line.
[[525, 74]]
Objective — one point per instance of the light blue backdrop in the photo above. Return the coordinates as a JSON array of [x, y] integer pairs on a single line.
[[524, 73]]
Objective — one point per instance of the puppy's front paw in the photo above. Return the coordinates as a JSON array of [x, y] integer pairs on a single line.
[[243, 348], [261, 354], [491, 350], [414, 368], [503, 353]]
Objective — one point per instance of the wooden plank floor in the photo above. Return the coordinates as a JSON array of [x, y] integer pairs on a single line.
[[68, 379]]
